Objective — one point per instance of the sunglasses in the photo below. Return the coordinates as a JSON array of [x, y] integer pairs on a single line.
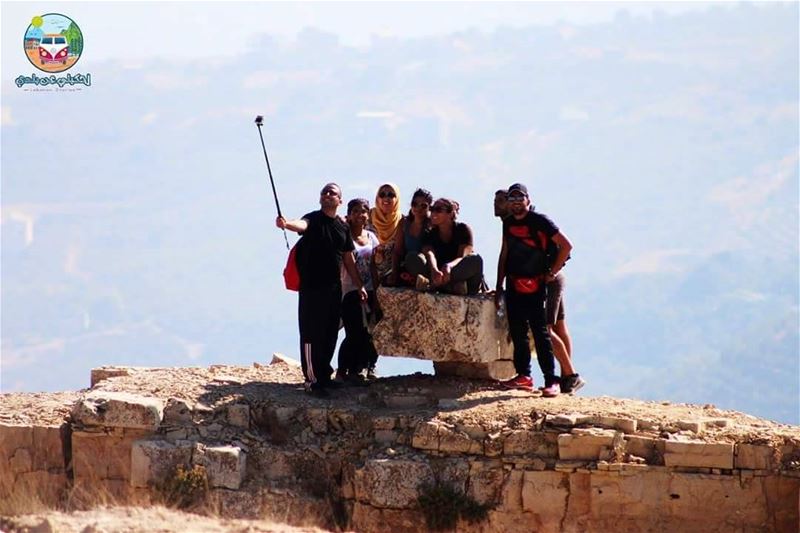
[[516, 197], [441, 209], [419, 205], [386, 194], [329, 192]]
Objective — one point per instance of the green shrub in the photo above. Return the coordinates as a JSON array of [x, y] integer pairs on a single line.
[[442, 506], [185, 488]]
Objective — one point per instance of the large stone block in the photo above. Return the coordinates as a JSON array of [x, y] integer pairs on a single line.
[[584, 444], [426, 436], [545, 495], [119, 410], [698, 454], [32, 469], [528, 442], [451, 440], [502, 369], [225, 465], [392, 484], [101, 460], [754, 457], [440, 327], [637, 496], [153, 461], [369, 519], [486, 482], [718, 500]]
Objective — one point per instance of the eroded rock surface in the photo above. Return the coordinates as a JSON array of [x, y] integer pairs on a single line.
[[461, 334]]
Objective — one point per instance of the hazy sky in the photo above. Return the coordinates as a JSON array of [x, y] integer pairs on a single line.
[[210, 29]]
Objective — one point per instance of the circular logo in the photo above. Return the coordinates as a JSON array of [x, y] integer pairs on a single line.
[[53, 42]]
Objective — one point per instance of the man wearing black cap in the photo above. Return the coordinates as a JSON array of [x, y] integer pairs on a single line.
[[571, 381], [326, 243], [523, 261]]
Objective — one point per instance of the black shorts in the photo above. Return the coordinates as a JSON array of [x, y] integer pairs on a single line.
[[555, 300]]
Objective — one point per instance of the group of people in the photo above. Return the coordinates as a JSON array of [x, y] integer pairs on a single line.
[[344, 260]]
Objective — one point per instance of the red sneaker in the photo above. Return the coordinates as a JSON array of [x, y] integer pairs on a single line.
[[520, 382]]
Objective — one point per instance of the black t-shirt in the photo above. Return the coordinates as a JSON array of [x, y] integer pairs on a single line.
[[447, 251], [528, 241], [324, 242]]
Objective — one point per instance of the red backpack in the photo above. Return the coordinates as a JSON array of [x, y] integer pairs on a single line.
[[291, 274]]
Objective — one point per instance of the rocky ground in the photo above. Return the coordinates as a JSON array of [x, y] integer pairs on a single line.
[[456, 400], [138, 520]]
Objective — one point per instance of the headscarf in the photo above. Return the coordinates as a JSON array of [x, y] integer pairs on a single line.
[[386, 224]]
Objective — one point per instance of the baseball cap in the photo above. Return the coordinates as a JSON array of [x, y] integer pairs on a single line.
[[518, 187]]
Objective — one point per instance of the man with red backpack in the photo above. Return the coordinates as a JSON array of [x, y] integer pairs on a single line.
[[524, 265], [324, 247]]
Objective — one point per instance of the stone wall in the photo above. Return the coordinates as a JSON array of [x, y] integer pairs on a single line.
[[362, 464]]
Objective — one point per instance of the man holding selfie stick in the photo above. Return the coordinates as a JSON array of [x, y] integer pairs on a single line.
[[325, 245]]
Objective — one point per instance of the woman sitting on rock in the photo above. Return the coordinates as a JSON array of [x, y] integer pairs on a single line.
[[447, 263], [408, 241], [385, 220]]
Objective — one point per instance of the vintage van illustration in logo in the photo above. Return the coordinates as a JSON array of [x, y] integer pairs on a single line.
[[53, 42]]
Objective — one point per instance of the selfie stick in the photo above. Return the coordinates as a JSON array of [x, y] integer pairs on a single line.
[[259, 123]]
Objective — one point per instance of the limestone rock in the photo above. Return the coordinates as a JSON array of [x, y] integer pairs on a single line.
[[238, 415], [440, 327], [501, 369], [225, 465], [119, 410], [754, 457], [584, 444], [698, 454], [177, 412], [280, 359], [545, 495], [152, 461], [101, 459], [391, 483], [527, 442]]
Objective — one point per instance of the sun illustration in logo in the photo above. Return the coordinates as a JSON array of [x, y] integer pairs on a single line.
[[53, 42]]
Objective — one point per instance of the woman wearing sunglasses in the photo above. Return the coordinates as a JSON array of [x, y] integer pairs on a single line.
[[385, 219], [447, 262], [408, 241]]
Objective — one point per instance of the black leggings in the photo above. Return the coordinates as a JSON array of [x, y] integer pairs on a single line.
[[357, 351]]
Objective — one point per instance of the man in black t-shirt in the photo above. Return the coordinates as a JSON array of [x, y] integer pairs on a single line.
[[523, 261], [325, 245], [571, 381]]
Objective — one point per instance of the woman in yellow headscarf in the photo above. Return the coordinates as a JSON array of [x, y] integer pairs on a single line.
[[385, 218]]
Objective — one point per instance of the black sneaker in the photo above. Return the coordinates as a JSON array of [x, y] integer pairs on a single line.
[[356, 380], [317, 391], [571, 384], [332, 385]]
